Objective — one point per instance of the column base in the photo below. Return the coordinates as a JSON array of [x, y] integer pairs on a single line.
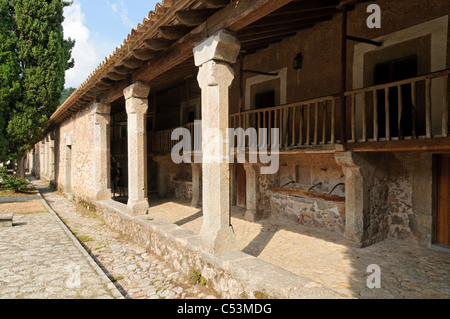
[[104, 194], [220, 241], [253, 216], [138, 208]]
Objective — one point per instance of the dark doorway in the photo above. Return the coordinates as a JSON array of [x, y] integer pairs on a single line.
[[389, 72], [265, 99]]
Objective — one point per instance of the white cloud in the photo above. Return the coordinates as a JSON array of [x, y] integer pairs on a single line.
[[84, 53]]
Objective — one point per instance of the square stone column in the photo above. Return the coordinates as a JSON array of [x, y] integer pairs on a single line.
[[45, 168], [136, 100], [252, 192], [213, 57], [102, 149], [197, 197], [51, 159], [366, 193]]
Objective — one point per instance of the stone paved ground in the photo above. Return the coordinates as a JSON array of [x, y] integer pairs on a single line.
[[407, 270], [39, 258], [137, 273]]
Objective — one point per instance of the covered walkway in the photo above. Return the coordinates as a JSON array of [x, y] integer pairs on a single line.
[[407, 270]]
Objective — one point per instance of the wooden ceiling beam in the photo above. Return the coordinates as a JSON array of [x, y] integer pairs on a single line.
[[157, 44], [144, 54], [115, 76], [132, 63], [194, 17], [215, 3], [175, 32], [270, 21], [122, 70], [233, 17], [269, 35]]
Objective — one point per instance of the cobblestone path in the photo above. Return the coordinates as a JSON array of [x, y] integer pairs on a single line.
[[137, 273], [39, 259]]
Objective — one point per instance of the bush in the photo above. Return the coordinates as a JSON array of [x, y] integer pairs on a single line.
[[12, 183]]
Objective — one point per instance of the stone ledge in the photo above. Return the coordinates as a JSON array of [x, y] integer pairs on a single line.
[[232, 274], [6, 220]]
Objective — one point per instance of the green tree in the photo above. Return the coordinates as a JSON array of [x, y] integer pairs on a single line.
[[65, 95], [9, 75], [43, 56]]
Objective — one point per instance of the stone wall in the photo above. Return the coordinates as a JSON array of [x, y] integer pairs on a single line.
[[410, 197], [303, 172], [234, 275], [79, 132]]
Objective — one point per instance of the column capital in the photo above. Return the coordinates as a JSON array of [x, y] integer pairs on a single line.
[[214, 73], [101, 108], [221, 46], [137, 90]]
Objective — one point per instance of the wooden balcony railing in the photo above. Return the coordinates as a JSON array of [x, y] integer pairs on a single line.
[[306, 123], [408, 109]]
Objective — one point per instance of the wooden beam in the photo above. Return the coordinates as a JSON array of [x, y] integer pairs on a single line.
[[306, 194], [132, 63], [157, 44], [174, 32], [417, 145], [293, 18], [115, 76], [268, 37], [234, 17], [215, 3], [194, 17], [144, 54], [122, 70]]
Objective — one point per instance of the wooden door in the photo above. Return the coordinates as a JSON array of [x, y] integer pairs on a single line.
[[443, 201], [241, 186]]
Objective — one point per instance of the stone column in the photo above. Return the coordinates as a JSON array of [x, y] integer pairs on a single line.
[[136, 99], [45, 168], [196, 185], [365, 198], [102, 148], [252, 177], [213, 57], [51, 158]]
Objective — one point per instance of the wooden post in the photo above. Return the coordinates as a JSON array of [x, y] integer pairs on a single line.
[[388, 118], [400, 111], [353, 117], [316, 122], [428, 107], [375, 116], [333, 120], [324, 123], [413, 110], [364, 118], [343, 116], [445, 108]]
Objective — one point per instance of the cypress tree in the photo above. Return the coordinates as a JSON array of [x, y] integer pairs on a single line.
[[43, 56], [9, 75]]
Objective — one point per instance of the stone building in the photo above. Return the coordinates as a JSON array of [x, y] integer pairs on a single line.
[[362, 113]]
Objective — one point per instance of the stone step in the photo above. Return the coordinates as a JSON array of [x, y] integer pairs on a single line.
[[6, 220]]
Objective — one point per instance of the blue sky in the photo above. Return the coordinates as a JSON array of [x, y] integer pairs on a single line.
[[99, 26]]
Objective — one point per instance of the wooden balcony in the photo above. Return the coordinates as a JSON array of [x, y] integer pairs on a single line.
[[415, 109]]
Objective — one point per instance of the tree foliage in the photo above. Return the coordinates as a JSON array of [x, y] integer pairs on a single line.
[[65, 95], [38, 57], [9, 74]]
